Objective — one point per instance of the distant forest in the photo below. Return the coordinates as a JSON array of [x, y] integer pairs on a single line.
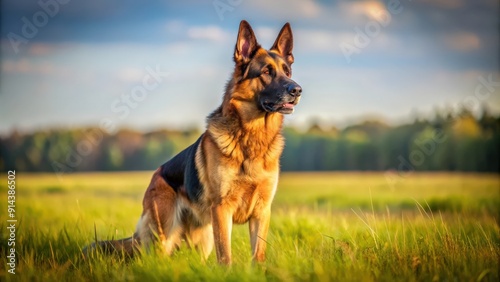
[[447, 142]]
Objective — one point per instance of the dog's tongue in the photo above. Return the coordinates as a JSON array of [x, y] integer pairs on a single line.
[[288, 105]]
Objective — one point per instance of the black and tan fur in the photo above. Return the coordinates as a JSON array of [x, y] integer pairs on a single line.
[[230, 174]]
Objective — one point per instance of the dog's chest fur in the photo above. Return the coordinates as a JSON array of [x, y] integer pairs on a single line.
[[245, 171]]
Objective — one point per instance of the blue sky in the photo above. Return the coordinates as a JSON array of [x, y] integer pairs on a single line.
[[84, 56]]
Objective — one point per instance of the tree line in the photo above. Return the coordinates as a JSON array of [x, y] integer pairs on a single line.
[[460, 142]]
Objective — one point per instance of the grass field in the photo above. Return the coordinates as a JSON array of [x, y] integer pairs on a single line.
[[325, 227]]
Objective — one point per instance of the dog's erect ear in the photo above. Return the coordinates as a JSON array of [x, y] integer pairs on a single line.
[[284, 43], [246, 44]]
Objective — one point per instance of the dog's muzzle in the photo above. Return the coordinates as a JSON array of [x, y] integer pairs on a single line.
[[294, 91]]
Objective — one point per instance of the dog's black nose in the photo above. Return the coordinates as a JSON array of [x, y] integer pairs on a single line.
[[294, 90]]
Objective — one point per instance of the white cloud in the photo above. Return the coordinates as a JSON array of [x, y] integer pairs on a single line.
[[25, 66], [314, 40], [211, 33], [130, 74], [371, 9]]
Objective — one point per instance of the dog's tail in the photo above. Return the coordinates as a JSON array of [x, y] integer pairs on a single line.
[[127, 247]]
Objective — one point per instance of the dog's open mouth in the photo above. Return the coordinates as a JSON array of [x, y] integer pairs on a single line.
[[286, 108]]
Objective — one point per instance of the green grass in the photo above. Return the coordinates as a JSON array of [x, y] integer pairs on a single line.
[[325, 227]]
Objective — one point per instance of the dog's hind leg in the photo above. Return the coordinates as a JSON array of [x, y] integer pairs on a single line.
[[161, 216]]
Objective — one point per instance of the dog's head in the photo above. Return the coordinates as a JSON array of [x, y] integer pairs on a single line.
[[263, 77]]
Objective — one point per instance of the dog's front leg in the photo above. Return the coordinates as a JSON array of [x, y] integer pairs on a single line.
[[259, 226], [222, 222]]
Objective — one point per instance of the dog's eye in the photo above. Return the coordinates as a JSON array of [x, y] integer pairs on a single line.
[[287, 73], [265, 71]]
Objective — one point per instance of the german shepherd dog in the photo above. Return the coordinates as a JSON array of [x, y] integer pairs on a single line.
[[230, 174]]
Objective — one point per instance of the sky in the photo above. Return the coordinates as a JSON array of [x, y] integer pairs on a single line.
[[158, 64]]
